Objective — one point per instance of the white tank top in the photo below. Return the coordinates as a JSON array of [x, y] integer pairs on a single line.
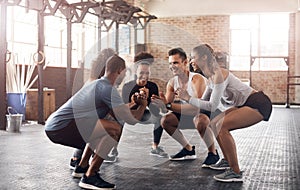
[[189, 84]]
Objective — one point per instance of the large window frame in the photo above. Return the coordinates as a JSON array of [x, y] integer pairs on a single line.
[[22, 34], [22, 37], [259, 35]]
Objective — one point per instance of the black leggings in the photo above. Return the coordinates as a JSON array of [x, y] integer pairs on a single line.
[[157, 132]]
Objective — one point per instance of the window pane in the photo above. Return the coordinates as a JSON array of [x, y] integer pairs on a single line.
[[274, 35], [269, 37], [124, 41], [240, 63]]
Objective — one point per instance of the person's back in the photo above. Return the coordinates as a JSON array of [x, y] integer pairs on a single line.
[[86, 124], [96, 71]]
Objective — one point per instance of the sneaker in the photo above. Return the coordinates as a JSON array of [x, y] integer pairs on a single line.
[[111, 159], [158, 152], [210, 159], [184, 154], [95, 182], [79, 171], [221, 165], [229, 176], [114, 152], [74, 163]]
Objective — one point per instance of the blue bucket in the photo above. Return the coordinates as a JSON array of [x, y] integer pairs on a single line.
[[18, 102]]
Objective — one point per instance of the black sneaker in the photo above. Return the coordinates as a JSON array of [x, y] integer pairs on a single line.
[[79, 171], [184, 154], [95, 182], [211, 159], [114, 152], [74, 163]]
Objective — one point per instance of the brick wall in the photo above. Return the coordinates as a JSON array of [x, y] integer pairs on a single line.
[[187, 32]]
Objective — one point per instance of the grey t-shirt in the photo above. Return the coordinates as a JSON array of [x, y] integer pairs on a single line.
[[90, 103]]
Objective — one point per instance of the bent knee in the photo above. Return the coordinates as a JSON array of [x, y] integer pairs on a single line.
[[201, 121], [168, 120]]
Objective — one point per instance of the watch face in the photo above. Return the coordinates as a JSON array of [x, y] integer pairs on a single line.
[[169, 105]]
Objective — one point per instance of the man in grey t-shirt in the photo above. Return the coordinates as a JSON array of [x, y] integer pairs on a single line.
[[81, 123]]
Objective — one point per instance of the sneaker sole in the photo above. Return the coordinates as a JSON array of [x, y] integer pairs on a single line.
[[77, 175], [110, 161], [205, 166], [71, 167], [228, 180], [88, 186], [159, 155], [184, 158], [218, 168]]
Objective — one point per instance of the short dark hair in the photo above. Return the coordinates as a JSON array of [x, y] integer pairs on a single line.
[[98, 64], [114, 64], [143, 57], [178, 51]]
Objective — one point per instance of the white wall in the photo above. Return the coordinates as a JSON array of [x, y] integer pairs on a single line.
[[170, 8]]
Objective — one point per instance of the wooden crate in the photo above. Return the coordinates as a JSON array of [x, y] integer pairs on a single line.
[[32, 103]]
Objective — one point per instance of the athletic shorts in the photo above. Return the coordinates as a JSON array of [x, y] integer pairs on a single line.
[[68, 136], [260, 102], [186, 121]]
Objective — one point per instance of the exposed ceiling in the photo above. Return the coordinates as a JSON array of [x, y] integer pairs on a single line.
[[168, 8]]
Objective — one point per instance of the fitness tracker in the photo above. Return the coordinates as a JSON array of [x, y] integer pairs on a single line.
[[168, 106]]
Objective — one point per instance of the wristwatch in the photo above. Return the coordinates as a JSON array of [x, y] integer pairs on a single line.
[[168, 106]]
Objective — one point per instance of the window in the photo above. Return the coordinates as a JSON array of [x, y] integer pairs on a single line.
[[22, 35], [84, 36], [259, 35]]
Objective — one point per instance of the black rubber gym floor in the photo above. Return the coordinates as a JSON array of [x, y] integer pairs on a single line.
[[269, 155]]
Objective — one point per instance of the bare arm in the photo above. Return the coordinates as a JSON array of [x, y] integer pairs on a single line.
[[199, 86], [216, 94], [186, 109], [123, 112], [170, 93]]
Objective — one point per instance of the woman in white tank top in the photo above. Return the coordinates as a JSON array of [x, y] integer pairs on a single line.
[[247, 107]]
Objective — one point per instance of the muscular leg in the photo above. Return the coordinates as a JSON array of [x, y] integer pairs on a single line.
[[87, 153], [105, 136], [201, 122], [234, 119], [170, 124]]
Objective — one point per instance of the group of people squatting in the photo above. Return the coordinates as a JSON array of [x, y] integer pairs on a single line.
[[208, 98]]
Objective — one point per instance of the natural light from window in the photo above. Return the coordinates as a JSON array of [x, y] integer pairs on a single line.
[[259, 35]]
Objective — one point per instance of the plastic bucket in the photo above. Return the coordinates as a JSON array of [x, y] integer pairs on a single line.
[[14, 121], [18, 102]]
